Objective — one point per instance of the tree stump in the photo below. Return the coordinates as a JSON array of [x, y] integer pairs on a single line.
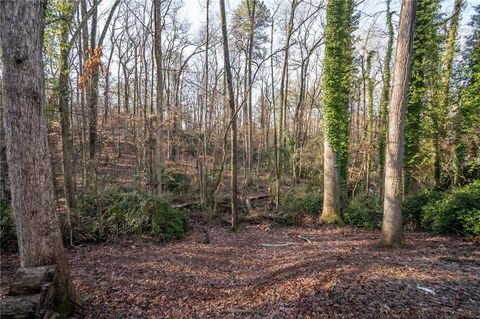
[[31, 293]]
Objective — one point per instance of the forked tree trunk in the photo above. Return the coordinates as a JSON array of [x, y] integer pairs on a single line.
[[392, 233], [38, 231]]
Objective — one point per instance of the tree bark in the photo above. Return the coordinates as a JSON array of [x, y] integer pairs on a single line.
[[4, 191], [38, 231], [392, 232], [159, 92], [63, 105], [233, 117]]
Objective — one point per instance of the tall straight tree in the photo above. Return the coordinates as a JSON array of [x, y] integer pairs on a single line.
[[467, 123], [448, 57], [159, 92], [392, 233], [233, 116], [336, 91], [33, 201], [385, 93], [421, 101]]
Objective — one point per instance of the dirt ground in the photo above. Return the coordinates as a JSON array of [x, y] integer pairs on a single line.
[[329, 273]]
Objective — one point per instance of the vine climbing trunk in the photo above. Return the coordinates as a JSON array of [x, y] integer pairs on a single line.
[[385, 96], [336, 95]]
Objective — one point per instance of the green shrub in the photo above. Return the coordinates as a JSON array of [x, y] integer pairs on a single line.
[[457, 212], [364, 210], [300, 203], [8, 236], [175, 180], [116, 212], [412, 206], [167, 222]]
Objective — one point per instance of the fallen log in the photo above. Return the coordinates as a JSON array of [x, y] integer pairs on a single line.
[[277, 245], [31, 293]]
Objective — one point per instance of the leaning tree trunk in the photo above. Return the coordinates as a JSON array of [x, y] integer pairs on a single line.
[[38, 231], [392, 233]]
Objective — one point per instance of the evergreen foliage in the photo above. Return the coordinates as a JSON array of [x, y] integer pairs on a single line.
[[300, 203], [457, 212], [364, 210], [8, 236], [117, 212], [468, 141]]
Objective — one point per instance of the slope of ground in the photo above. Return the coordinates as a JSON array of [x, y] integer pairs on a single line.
[[340, 273]]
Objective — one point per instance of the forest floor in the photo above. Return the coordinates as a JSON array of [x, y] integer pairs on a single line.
[[329, 273]]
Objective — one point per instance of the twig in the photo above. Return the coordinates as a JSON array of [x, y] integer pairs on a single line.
[[276, 245], [304, 238], [254, 311]]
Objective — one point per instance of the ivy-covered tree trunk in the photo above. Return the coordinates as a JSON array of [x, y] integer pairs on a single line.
[[392, 233], [422, 110], [336, 90], [385, 96], [448, 57], [467, 121], [33, 203]]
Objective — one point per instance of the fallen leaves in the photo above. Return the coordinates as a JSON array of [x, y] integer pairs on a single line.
[[337, 273]]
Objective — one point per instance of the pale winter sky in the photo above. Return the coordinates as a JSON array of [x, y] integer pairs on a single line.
[[194, 10]]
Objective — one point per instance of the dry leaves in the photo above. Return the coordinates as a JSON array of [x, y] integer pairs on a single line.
[[340, 274]]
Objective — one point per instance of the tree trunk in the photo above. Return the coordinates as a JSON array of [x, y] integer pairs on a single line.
[[159, 92], [284, 86], [63, 104], [38, 231], [370, 88], [336, 97], [448, 58], [4, 190], [331, 186], [233, 116], [392, 233], [252, 10], [385, 96]]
